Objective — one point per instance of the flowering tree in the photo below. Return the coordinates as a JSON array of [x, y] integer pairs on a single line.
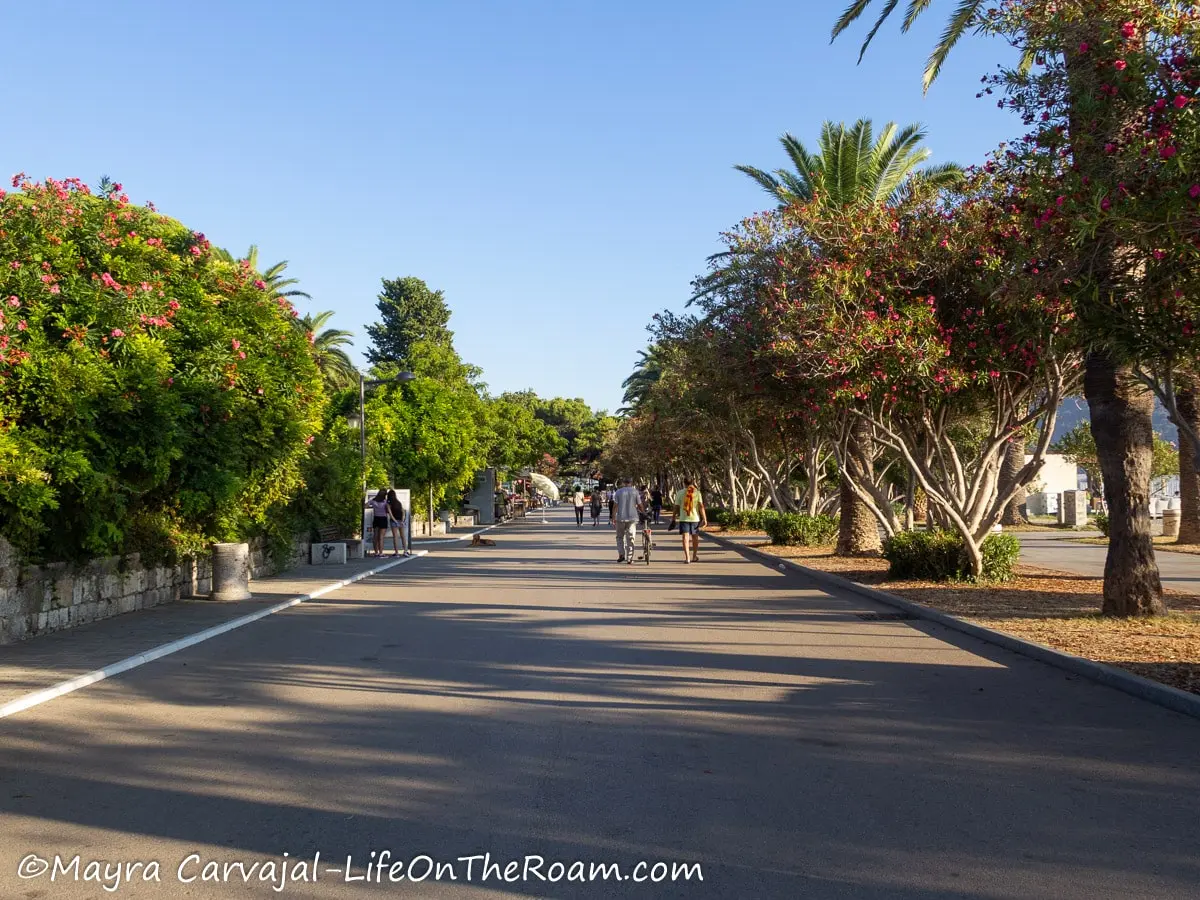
[[920, 324], [152, 396], [1108, 92]]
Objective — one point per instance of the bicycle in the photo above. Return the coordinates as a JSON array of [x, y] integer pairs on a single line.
[[647, 542]]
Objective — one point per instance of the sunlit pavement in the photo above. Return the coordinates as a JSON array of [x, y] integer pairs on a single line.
[[536, 697]]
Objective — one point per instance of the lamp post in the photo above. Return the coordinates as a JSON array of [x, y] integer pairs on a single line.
[[363, 384]]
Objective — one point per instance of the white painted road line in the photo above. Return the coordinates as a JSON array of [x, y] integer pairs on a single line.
[[81, 681]]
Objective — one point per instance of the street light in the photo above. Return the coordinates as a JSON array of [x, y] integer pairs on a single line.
[[363, 384]]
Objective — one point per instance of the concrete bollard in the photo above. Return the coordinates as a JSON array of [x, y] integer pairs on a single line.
[[1170, 519], [230, 572]]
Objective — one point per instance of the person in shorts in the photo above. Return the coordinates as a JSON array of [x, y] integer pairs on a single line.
[[381, 514], [691, 517]]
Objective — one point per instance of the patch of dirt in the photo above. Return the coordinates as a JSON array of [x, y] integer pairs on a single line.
[[1056, 609]]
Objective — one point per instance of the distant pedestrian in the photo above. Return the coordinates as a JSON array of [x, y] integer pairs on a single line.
[[612, 504], [656, 502], [379, 511], [597, 505], [398, 516], [579, 504]]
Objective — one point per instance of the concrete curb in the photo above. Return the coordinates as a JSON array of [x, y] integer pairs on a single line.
[[1163, 695], [140, 659]]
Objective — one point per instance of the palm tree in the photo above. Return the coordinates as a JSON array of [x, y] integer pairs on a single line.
[[854, 168], [646, 374], [327, 343]]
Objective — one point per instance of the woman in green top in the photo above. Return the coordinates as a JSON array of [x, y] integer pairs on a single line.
[[690, 514]]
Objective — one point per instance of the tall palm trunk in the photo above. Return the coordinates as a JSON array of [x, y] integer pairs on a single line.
[[1189, 478], [858, 530], [1014, 461], [1121, 411]]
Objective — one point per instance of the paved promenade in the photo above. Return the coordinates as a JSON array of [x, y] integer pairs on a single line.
[[536, 698]]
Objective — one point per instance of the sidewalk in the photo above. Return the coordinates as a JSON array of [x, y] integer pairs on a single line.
[[46, 660]]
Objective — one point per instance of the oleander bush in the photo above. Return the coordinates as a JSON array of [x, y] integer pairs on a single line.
[[799, 530], [153, 396], [941, 555]]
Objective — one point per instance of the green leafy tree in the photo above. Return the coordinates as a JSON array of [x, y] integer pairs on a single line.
[[409, 313], [426, 434], [516, 439]]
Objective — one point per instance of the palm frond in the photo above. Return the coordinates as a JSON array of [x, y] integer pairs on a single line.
[[765, 180], [955, 29], [848, 17], [915, 8], [887, 11]]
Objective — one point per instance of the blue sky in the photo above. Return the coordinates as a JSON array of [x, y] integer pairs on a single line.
[[560, 169]]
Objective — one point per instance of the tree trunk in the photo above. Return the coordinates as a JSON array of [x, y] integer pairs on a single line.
[[858, 531], [1121, 411], [1189, 478], [910, 505], [1014, 461]]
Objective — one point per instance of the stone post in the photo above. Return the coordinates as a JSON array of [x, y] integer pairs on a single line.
[[230, 572]]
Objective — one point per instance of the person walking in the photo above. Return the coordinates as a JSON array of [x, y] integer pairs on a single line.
[[379, 512], [691, 516], [627, 506], [578, 498], [656, 502], [612, 504], [398, 517], [597, 505]]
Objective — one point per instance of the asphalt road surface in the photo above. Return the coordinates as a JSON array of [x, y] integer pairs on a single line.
[[535, 699]]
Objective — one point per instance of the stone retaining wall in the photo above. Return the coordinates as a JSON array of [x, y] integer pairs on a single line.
[[39, 599]]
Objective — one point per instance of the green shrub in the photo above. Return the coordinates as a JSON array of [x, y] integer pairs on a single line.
[[941, 555], [1101, 520], [153, 395], [797, 530], [1000, 554]]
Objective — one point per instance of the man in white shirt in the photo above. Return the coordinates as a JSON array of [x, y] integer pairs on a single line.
[[627, 505]]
